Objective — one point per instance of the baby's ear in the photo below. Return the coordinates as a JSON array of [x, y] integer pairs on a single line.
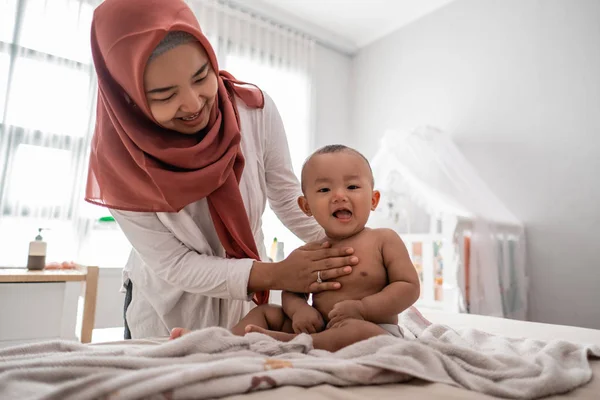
[[375, 199], [303, 204]]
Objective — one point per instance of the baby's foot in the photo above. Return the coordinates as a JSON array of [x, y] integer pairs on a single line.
[[281, 336], [178, 332]]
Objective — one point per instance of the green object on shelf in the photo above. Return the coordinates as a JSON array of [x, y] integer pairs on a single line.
[[106, 219]]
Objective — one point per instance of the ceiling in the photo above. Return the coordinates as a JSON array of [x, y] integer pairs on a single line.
[[345, 25]]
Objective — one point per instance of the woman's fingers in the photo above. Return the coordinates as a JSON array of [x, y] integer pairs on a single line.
[[303, 266], [333, 273], [333, 263], [330, 253], [316, 287]]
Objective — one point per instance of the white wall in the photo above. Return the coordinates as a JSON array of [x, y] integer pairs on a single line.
[[517, 85], [332, 97]]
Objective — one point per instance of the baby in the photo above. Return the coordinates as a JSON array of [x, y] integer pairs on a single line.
[[337, 186]]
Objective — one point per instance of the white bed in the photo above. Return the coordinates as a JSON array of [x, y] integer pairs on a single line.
[[417, 389], [212, 363]]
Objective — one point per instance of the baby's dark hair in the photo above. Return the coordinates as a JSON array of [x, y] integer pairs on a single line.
[[336, 148]]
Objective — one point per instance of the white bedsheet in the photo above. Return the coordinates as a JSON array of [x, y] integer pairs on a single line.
[[421, 390], [212, 363], [513, 328]]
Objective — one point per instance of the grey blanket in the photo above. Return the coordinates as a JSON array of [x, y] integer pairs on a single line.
[[212, 363]]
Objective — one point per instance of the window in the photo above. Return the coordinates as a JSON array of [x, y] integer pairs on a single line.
[[7, 19], [4, 65], [291, 91], [33, 181], [47, 98], [65, 25]]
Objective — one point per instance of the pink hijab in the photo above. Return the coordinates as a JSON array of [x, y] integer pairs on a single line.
[[135, 164]]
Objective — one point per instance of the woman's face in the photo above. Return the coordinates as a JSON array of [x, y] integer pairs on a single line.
[[181, 88]]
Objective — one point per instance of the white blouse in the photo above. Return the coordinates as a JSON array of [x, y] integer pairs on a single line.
[[177, 266]]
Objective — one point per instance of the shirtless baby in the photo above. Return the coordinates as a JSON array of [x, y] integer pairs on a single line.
[[337, 183]]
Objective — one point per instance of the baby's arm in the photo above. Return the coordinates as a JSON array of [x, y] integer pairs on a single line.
[[305, 318], [292, 302], [403, 288]]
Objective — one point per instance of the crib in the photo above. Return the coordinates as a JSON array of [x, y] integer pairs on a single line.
[[468, 249]]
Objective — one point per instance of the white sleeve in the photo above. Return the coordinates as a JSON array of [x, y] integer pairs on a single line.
[[174, 262], [283, 188]]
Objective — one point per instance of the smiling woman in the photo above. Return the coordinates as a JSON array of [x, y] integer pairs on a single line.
[[49, 154], [180, 84], [191, 204]]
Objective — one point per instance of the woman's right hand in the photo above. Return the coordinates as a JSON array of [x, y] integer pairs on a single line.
[[300, 270]]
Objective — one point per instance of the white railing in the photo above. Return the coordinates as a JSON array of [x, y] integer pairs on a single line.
[[429, 254], [443, 263]]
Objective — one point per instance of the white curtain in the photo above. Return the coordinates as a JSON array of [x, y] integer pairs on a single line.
[[47, 98], [47, 110], [278, 60]]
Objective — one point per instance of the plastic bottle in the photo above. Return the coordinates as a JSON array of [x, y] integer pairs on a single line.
[[36, 259], [280, 255], [273, 252]]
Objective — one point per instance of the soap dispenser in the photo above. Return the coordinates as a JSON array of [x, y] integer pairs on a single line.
[[37, 253]]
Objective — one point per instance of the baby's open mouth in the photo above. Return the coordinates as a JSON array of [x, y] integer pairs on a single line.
[[342, 213]]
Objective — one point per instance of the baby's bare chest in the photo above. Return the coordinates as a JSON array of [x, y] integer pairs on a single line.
[[370, 269], [368, 277]]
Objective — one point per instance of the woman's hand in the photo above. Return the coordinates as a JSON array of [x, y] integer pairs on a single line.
[[301, 270]]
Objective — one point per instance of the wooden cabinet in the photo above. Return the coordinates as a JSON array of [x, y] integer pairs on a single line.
[[43, 305]]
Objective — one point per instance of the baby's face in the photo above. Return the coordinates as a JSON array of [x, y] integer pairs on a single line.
[[338, 192]]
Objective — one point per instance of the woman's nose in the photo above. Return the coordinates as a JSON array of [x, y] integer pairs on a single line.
[[191, 102]]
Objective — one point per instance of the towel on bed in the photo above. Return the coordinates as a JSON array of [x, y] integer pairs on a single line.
[[212, 363]]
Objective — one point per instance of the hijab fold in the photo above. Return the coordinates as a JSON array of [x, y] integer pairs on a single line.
[[135, 164]]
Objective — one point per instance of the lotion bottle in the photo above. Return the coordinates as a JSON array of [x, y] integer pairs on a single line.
[[37, 253]]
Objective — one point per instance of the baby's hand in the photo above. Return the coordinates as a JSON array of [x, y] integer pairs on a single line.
[[347, 309], [307, 320]]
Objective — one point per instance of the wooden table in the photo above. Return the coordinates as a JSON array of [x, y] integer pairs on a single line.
[[87, 275]]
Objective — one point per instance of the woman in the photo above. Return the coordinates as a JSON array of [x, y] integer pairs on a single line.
[[185, 156]]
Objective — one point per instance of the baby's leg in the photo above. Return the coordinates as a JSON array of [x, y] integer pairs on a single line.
[[346, 333], [270, 317]]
